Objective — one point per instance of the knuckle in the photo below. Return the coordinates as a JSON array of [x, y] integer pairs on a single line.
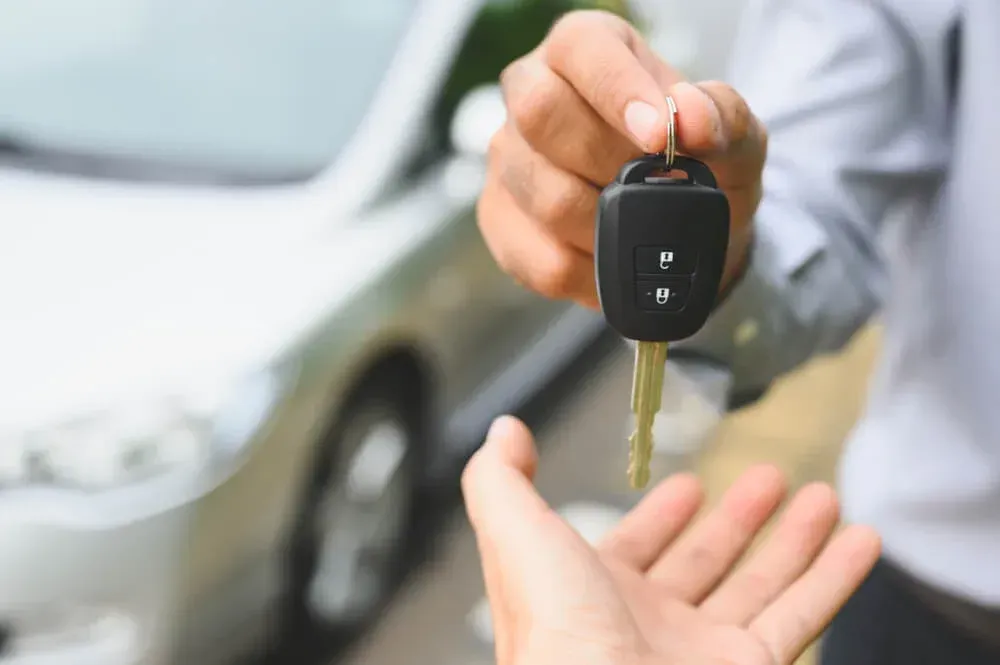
[[719, 90], [532, 104], [721, 87], [574, 26], [606, 88], [557, 207], [738, 118], [567, 27], [508, 78], [554, 279], [742, 123], [518, 175]]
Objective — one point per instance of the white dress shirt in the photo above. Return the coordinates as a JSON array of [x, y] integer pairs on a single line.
[[881, 195]]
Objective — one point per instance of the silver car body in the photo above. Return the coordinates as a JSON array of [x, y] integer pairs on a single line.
[[261, 308]]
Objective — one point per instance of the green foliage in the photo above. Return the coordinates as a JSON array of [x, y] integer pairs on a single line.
[[503, 32]]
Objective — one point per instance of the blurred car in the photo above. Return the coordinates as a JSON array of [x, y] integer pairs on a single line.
[[247, 315]]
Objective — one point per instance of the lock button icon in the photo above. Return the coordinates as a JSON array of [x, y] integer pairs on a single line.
[[664, 294]]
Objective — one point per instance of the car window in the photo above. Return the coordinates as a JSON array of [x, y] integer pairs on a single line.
[[248, 85]]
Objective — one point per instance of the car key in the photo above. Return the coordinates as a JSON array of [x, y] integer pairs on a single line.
[[660, 249]]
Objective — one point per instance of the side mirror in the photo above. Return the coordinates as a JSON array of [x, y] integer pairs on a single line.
[[478, 117]]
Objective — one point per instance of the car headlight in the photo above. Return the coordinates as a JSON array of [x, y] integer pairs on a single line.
[[141, 438]]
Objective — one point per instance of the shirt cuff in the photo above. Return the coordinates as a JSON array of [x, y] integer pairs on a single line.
[[746, 331]]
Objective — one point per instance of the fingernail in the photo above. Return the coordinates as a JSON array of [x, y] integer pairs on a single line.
[[643, 122], [500, 428]]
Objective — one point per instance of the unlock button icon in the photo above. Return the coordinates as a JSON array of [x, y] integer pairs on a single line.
[[664, 294], [663, 260]]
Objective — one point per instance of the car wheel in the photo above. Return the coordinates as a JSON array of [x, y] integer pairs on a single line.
[[355, 525]]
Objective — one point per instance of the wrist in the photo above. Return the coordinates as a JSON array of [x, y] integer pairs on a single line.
[[738, 258]]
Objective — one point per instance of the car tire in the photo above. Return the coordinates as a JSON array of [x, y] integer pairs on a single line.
[[355, 524]]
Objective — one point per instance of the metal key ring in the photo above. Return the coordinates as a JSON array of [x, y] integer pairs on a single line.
[[671, 152]]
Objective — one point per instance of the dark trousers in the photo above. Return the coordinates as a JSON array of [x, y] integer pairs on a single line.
[[885, 623]]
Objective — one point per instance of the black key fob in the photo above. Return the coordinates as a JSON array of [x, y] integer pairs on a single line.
[[660, 249]]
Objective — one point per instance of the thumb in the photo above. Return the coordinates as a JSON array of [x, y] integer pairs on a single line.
[[500, 498], [537, 568], [502, 505], [526, 547]]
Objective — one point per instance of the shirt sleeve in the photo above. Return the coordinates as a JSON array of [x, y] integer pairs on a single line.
[[853, 133]]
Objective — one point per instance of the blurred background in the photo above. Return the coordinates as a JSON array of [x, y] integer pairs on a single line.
[[250, 332]]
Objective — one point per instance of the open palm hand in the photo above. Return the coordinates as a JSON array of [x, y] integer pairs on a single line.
[[662, 588]]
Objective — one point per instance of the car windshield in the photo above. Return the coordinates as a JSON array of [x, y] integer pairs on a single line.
[[245, 86]]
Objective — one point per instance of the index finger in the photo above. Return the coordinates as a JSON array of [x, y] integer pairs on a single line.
[[596, 53]]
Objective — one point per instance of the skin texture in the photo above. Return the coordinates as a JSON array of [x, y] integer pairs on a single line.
[[663, 588], [589, 98]]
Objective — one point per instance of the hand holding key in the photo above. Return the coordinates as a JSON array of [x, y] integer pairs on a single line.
[[589, 99]]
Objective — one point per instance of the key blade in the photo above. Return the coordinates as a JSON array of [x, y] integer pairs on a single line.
[[638, 465], [647, 379], [647, 392]]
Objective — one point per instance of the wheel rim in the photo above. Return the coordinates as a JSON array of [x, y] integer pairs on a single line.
[[360, 520]]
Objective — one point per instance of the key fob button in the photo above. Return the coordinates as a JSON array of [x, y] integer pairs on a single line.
[[672, 260], [663, 295], [660, 249]]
